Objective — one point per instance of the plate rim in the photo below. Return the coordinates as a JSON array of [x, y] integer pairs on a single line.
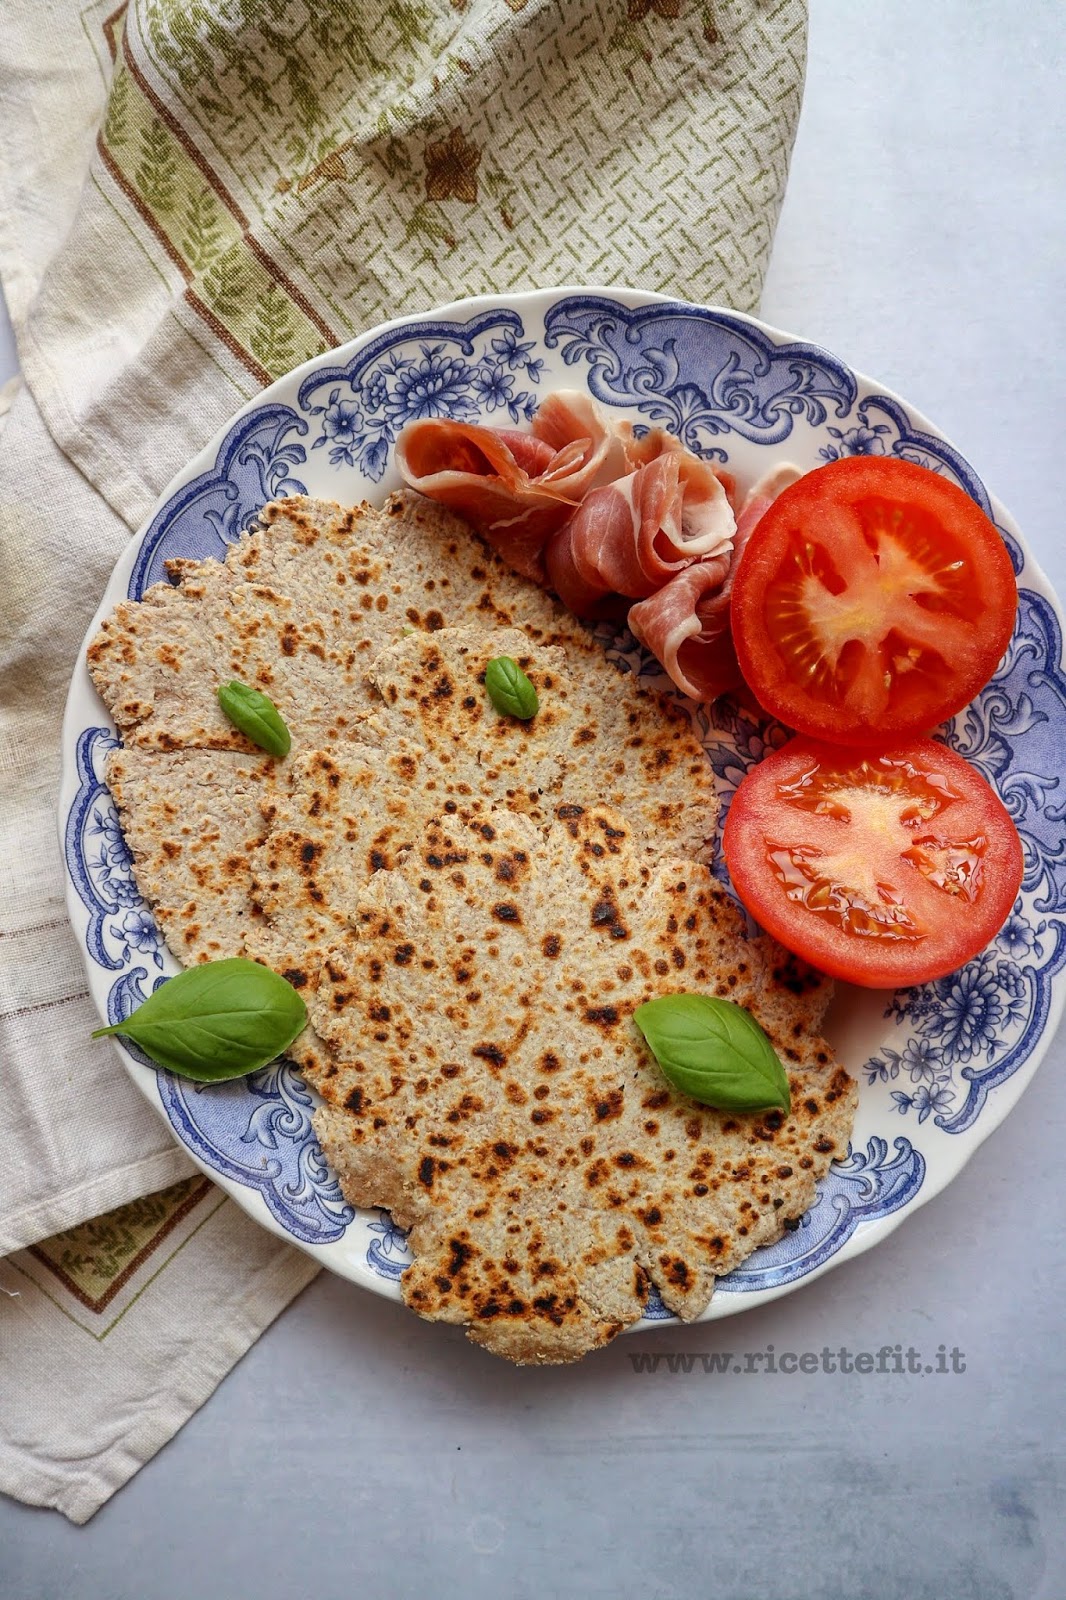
[[866, 1235]]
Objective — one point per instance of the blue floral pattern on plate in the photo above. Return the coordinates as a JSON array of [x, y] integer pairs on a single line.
[[257, 1131], [461, 371], [100, 865], [735, 392], [702, 377]]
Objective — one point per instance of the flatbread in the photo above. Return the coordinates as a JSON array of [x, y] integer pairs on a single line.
[[438, 745], [192, 820], [215, 834], [299, 608], [603, 737], [470, 921], [487, 1084], [325, 609]]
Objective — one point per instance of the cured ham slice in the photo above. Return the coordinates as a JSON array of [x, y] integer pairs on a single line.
[[515, 488], [656, 442], [513, 493], [685, 624], [580, 588], [604, 516], [630, 537], [770, 485], [569, 416]]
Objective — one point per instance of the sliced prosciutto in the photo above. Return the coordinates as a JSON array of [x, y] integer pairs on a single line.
[[605, 517], [630, 537], [515, 488], [770, 485], [685, 624], [656, 442], [567, 416]]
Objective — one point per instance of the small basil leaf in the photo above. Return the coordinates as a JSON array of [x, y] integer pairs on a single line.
[[510, 690], [714, 1051], [216, 1021], [257, 717]]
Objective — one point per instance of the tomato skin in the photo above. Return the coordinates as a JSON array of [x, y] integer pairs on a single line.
[[837, 854], [873, 600]]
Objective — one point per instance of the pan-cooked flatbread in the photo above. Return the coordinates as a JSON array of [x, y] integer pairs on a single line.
[[300, 608], [602, 737], [439, 744], [489, 1087], [471, 922], [325, 610], [192, 820]]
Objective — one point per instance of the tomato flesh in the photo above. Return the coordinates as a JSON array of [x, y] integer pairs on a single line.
[[884, 869], [872, 601]]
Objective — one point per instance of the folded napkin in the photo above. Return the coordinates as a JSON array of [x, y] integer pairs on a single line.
[[219, 198]]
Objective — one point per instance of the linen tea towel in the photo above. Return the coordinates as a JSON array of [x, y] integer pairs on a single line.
[[226, 188]]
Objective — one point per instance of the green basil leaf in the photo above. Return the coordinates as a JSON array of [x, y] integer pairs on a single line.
[[216, 1021], [714, 1051], [257, 717], [510, 690]]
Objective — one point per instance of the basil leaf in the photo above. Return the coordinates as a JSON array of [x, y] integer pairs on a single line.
[[510, 690], [216, 1021], [714, 1051], [257, 717]]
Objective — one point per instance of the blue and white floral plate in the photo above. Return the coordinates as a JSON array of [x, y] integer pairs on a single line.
[[939, 1066]]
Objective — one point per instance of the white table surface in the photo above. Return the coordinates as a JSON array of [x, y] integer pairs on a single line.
[[358, 1451]]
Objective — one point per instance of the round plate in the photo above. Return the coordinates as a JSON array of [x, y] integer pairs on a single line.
[[939, 1066]]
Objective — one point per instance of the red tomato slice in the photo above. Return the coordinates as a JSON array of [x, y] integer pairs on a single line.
[[884, 869], [873, 600]]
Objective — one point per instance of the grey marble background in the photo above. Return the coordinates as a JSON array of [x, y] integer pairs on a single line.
[[356, 1451]]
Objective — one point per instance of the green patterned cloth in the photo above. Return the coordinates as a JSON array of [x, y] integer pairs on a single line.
[[271, 178], [195, 196]]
